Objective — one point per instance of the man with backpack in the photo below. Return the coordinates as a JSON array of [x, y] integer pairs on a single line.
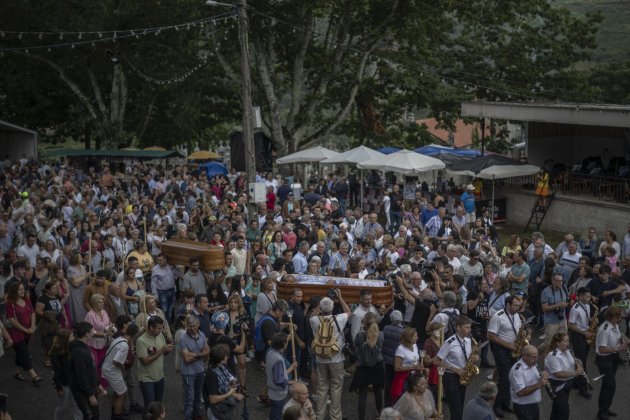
[[448, 315], [327, 345]]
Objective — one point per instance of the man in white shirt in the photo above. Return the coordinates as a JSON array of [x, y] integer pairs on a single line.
[[330, 372], [365, 306], [29, 250], [525, 384]]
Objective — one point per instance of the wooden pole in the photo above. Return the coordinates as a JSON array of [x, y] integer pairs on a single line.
[[90, 252], [290, 315], [440, 385], [145, 231]]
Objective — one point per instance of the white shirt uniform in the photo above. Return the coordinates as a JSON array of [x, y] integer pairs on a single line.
[[580, 315], [505, 326], [452, 351], [608, 335], [559, 361], [521, 377]]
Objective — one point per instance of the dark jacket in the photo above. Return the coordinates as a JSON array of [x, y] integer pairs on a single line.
[[61, 371], [83, 377], [391, 340]]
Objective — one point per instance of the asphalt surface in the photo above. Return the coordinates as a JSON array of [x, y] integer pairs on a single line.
[[27, 401]]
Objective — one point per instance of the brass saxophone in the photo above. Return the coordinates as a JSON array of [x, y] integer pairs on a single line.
[[592, 328], [521, 340], [470, 370]]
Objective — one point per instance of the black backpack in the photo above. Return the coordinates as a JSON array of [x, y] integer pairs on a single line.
[[450, 325]]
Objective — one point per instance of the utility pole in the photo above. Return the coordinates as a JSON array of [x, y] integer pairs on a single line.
[[246, 96], [248, 120]]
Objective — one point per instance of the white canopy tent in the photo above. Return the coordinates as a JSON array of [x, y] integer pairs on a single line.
[[314, 154], [405, 162], [493, 167], [354, 157]]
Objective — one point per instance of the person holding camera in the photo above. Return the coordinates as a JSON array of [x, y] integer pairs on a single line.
[[554, 300], [477, 305], [237, 330], [221, 388]]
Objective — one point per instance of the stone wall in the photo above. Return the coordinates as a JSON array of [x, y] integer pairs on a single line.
[[569, 213]]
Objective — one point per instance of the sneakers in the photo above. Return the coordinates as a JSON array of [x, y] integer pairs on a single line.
[[542, 337], [251, 354]]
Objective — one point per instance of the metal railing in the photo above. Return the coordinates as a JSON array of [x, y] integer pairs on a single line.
[[608, 188]]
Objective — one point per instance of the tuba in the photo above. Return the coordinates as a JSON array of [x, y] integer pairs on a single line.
[[470, 370], [521, 340]]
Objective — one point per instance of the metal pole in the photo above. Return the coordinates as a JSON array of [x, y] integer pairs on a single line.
[[248, 121]]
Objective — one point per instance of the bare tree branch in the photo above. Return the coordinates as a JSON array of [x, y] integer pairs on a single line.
[[74, 87], [298, 72]]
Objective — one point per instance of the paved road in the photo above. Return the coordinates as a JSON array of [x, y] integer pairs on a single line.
[[27, 401]]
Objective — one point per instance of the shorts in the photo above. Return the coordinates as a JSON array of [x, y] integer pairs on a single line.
[[116, 383], [471, 217]]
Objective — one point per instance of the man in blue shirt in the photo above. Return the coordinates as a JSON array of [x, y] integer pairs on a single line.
[[554, 300], [468, 199], [193, 348], [300, 264], [428, 213]]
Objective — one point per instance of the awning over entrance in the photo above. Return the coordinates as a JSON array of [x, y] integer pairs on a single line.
[[563, 113]]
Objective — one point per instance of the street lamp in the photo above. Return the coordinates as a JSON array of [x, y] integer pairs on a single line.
[[246, 94]]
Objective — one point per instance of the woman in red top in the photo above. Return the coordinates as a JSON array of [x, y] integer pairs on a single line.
[[22, 317]]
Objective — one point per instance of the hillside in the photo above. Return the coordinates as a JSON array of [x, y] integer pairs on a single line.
[[613, 38]]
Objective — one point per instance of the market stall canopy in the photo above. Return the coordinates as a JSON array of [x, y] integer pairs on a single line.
[[405, 162], [492, 167], [314, 154], [388, 150], [122, 153], [449, 159], [203, 155], [356, 155], [432, 150], [158, 148]]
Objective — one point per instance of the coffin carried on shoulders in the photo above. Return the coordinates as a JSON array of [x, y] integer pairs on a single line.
[[179, 251], [350, 288]]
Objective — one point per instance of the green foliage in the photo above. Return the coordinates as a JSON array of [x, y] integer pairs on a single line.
[[322, 70]]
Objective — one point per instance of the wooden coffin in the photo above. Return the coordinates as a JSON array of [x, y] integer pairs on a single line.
[[381, 294], [179, 251]]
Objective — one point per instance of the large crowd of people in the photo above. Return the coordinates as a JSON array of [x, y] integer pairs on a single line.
[[81, 266]]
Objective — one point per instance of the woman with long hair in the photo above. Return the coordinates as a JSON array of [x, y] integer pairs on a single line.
[[368, 343], [132, 291], [431, 348], [217, 301], [21, 315], [512, 245], [276, 247], [406, 361], [103, 329], [238, 317], [40, 276], [417, 402], [561, 365], [588, 243], [59, 356], [77, 279], [610, 239]]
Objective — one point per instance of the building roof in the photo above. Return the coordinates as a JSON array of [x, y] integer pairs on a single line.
[[6, 126], [563, 113], [462, 135]]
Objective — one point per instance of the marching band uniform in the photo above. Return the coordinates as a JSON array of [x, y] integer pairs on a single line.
[[560, 361], [505, 326], [608, 335], [522, 376], [455, 353], [580, 316]]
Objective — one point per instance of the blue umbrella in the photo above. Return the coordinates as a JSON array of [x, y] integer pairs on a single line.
[[388, 150], [213, 169]]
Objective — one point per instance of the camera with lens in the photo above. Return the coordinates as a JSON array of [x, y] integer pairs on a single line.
[[332, 293], [239, 322], [560, 313]]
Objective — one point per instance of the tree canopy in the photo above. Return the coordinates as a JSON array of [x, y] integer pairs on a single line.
[[362, 69]]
